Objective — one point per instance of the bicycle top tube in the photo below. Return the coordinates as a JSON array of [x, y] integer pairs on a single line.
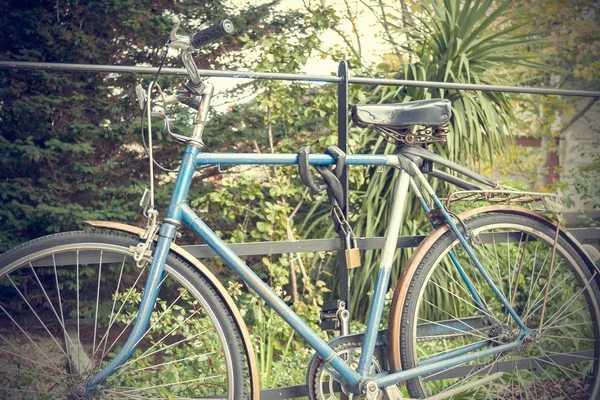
[[287, 159]]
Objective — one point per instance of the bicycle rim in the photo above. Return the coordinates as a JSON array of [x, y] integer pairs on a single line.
[[68, 303], [517, 252]]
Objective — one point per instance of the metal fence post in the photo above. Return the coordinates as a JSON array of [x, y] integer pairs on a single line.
[[343, 272], [342, 95]]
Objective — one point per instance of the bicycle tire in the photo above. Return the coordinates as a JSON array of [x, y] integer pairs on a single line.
[[67, 302], [569, 327]]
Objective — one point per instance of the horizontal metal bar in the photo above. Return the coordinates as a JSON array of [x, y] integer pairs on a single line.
[[287, 392], [585, 233], [465, 86], [290, 159], [510, 366], [292, 392], [310, 245], [123, 69], [300, 246]]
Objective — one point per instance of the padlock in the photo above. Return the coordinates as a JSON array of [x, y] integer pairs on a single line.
[[352, 252]]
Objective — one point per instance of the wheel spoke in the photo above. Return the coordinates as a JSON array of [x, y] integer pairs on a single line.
[[24, 357], [78, 309], [97, 305], [37, 317], [518, 273], [530, 291], [202, 379], [133, 319], [479, 335], [555, 292], [112, 311], [26, 371], [549, 377], [179, 360], [19, 390], [59, 319], [147, 353], [125, 302], [62, 316], [555, 318], [465, 301]]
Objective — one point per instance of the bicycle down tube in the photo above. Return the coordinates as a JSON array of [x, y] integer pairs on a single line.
[[178, 211]]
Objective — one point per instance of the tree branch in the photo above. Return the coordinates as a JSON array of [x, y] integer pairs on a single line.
[[578, 115]]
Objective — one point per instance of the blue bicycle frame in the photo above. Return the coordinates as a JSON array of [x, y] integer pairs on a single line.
[[178, 211]]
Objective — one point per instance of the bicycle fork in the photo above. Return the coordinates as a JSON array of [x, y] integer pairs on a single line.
[[166, 236]]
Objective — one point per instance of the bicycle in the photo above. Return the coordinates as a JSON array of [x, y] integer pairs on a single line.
[[523, 323]]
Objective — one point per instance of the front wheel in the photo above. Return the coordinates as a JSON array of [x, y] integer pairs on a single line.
[[67, 305], [555, 295]]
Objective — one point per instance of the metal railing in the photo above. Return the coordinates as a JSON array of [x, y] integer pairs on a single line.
[[342, 80]]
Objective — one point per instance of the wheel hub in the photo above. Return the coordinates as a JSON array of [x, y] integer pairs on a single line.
[[502, 334]]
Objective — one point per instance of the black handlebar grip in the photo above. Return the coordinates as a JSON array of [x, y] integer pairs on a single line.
[[212, 33]]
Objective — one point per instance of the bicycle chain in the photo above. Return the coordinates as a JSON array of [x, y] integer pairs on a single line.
[[438, 337], [315, 393], [474, 370]]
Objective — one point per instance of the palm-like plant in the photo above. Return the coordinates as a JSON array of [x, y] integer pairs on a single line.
[[445, 41]]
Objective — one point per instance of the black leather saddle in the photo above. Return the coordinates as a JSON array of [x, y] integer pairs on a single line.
[[435, 112]]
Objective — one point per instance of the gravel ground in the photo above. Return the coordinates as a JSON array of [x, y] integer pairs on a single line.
[[549, 390], [22, 368]]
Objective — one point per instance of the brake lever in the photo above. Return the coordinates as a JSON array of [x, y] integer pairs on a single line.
[[175, 136], [141, 95], [179, 41]]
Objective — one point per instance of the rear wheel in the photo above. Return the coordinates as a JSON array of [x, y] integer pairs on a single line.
[[558, 297], [68, 303]]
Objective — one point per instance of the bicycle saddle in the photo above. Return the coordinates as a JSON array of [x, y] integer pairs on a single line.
[[435, 112]]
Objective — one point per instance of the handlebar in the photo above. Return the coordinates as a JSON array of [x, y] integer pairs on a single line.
[[201, 38], [188, 44], [196, 94], [211, 33]]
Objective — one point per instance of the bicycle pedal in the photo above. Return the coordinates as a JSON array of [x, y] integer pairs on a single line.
[[330, 320]]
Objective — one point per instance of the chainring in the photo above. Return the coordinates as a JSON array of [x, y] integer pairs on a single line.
[[318, 376]]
